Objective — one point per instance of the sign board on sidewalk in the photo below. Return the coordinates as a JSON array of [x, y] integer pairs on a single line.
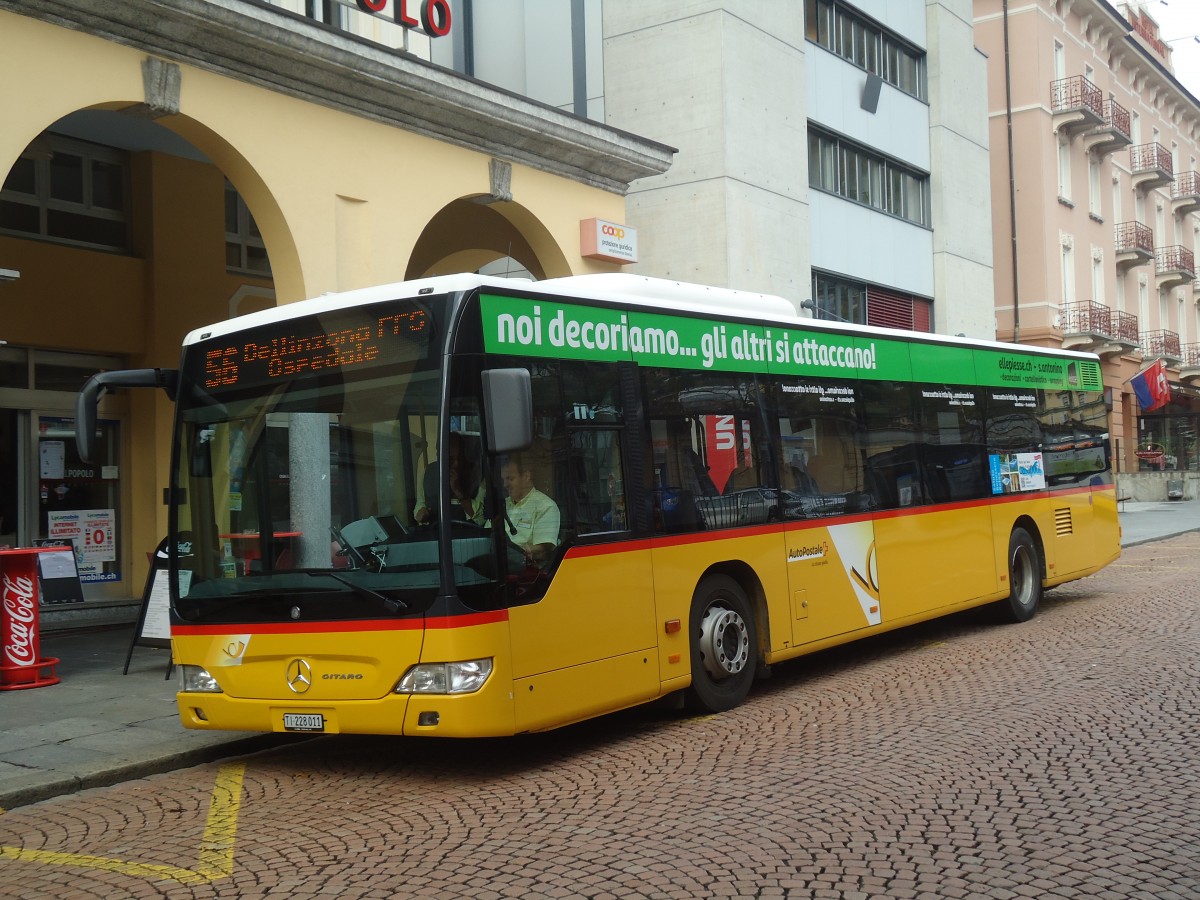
[[154, 621], [58, 573]]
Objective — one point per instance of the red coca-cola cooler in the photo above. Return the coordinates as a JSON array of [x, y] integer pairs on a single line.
[[21, 663]]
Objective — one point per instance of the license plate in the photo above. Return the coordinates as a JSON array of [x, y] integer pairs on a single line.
[[304, 721]]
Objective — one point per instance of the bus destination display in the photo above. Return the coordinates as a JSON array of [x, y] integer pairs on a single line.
[[316, 345]]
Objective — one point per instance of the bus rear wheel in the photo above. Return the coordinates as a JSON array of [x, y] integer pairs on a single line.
[[1024, 577], [723, 645]]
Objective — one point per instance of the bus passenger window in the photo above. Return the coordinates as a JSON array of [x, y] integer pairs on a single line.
[[821, 469], [950, 421], [599, 480], [712, 464], [891, 444]]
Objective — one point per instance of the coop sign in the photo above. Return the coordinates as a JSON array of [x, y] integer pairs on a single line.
[[608, 241], [434, 14]]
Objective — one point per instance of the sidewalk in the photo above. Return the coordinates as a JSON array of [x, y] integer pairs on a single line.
[[99, 727]]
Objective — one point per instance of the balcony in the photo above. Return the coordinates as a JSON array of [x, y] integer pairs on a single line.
[[1075, 105], [1190, 370], [1174, 266], [1134, 244], [1185, 193], [1094, 327], [1161, 343], [1112, 134], [1151, 166]]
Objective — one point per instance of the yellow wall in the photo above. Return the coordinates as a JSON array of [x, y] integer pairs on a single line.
[[341, 202]]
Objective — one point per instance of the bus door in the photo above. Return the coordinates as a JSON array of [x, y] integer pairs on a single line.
[[829, 535], [926, 469], [583, 634]]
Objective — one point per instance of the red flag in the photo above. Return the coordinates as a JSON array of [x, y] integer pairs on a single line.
[[1150, 386]]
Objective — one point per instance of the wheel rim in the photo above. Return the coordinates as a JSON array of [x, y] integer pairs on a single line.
[[1022, 576], [724, 642]]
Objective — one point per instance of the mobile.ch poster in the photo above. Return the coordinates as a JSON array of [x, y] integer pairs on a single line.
[[93, 534]]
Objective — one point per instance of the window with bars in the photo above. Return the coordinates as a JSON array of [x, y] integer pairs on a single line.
[[850, 170], [69, 191], [852, 36], [847, 300]]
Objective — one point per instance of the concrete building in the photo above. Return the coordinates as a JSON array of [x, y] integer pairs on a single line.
[[169, 163], [834, 153], [1095, 193]]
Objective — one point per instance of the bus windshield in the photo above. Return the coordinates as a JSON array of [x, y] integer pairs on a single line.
[[301, 450]]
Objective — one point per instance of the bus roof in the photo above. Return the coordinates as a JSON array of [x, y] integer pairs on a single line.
[[617, 288]]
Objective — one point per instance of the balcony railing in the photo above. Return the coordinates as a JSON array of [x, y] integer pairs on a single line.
[[1160, 343], [1076, 92], [1116, 117], [1088, 318], [1151, 160], [1093, 326], [1126, 328], [1187, 184], [1132, 236], [1185, 193], [1176, 258], [1191, 355]]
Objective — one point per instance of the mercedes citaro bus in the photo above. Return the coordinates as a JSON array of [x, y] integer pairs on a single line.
[[719, 486]]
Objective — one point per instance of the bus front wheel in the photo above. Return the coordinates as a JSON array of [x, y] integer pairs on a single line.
[[724, 645], [1024, 577]]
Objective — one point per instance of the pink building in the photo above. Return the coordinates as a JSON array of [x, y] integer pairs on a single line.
[[1095, 201]]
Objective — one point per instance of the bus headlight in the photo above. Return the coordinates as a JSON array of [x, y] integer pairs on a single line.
[[445, 678], [197, 680]]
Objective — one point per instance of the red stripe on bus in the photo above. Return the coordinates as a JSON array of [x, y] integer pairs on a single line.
[[791, 525]]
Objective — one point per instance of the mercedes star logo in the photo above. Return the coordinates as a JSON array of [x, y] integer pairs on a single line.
[[299, 676]]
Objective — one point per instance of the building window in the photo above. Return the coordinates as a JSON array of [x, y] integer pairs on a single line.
[[1093, 185], [1068, 271], [68, 191], [1064, 168], [244, 247], [867, 44], [851, 171], [847, 300]]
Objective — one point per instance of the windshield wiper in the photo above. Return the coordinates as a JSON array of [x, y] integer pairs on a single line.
[[392, 603]]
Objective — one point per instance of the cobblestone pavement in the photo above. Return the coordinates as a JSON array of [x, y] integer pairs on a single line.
[[958, 759]]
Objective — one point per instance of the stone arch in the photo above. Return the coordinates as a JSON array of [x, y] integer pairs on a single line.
[[466, 234]]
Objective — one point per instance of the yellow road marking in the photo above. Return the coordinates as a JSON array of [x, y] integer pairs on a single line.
[[220, 832], [216, 846]]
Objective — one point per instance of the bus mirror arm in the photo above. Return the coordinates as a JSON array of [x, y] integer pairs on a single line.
[[92, 390]]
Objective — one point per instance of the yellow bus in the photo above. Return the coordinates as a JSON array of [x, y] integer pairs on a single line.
[[649, 490]]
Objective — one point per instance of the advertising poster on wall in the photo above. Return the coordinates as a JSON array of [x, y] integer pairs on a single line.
[[93, 533]]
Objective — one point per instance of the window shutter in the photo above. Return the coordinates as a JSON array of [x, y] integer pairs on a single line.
[[891, 309], [888, 309]]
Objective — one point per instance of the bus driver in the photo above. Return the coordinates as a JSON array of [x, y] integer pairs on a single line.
[[533, 514]]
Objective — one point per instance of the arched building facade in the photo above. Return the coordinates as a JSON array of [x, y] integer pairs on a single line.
[[170, 163]]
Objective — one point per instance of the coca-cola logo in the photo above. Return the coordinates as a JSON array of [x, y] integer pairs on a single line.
[[21, 621]]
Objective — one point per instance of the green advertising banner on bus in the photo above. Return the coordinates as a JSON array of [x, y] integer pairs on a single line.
[[547, 328]]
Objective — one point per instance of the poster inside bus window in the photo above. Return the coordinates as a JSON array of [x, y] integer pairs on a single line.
[[1016, 472]]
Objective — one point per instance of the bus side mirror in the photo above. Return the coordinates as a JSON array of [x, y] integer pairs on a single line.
[[508, 408], [89, 396]]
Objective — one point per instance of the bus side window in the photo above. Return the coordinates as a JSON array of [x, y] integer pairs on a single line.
[[712, 465], [950, 421], [821, 466], [598, 477], [892, 438]]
